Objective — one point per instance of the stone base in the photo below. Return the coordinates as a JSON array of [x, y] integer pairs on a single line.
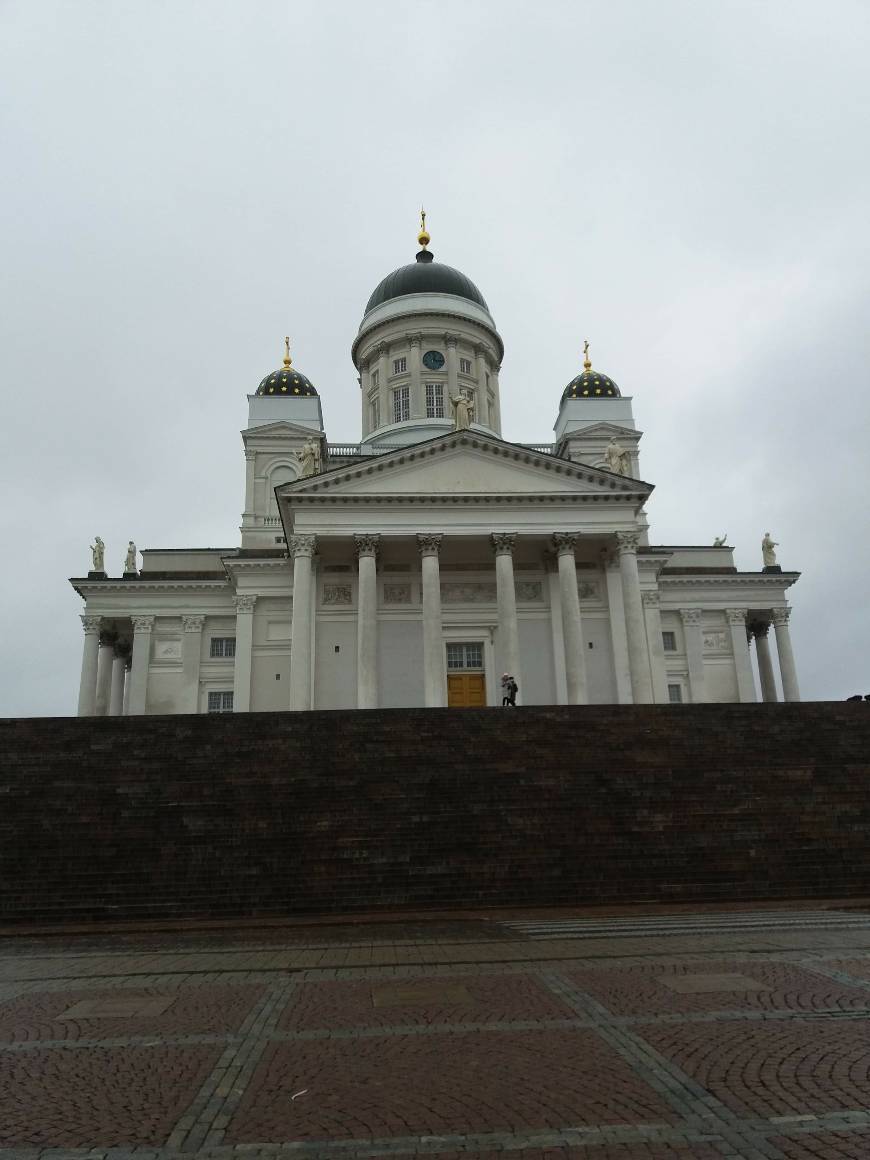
[[131, 575], [771, 568], [96, 575]]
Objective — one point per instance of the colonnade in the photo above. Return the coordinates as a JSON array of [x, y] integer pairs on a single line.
[[106, 665], [758, 631]]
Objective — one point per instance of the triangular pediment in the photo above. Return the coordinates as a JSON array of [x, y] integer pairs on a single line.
[[604, 428], [282, 429], [466, 463]]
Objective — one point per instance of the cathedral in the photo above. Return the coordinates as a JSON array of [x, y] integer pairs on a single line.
[[434, 560]]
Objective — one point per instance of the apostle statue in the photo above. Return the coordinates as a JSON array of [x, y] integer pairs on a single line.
[[130, 560], [463, 412], [98, 552], [309, 458], [719, 542], [617, 458], [768, 554]]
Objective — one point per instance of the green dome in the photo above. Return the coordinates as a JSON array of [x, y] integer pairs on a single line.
[[425, 276], [286, 381], [591, 385]]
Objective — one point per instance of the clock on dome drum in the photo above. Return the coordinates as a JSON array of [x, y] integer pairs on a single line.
[[433, 360]]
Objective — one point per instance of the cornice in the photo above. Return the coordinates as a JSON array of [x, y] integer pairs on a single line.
[[368, 332], [385, 499], [87, 588], [730, 580], [275, 564]]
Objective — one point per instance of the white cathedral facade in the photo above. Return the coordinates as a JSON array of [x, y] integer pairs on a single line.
[[420, 565]]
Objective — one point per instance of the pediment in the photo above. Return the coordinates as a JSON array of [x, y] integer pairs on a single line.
[[606, 429], [281, 429], [469, 464]]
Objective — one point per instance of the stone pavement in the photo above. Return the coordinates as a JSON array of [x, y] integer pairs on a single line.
[[619, 1034]]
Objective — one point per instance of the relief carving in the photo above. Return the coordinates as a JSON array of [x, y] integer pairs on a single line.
[[456, 593], [397, 594], [337, 594]]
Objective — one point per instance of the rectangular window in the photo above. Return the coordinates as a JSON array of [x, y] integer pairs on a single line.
[[401, 404], [375, 412], [465, 366], [465, 656], [434, 400], [400, 365], [375, 377], [220, 702], [222, 646], [675, 694], [669, 641]]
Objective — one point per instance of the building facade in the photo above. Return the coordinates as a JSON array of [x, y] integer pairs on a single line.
[[420, 565]]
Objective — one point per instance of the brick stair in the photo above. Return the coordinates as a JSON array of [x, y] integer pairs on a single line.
[[270, 814]]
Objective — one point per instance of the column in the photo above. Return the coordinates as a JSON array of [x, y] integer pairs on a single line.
[[618, 635], [691, 618], [384, 393], [483, 415], [104, 672], [435, 694], [301, 549], [556, 629], [191, 655], [367, 622], [418, 401], [453, 376], [787, 666], [635, 629], [142, 626], [765, 661], [250, 500], [494, 420], [88, 680], [655, 646], [742, 660], [572, 631], [125, 708], [244, 644], [509, 637], [119, 672]]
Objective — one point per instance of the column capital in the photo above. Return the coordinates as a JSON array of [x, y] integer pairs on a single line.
[[245, 603], [758, 628], [366, 544], [91, 624], [564, 542], [451, 339], [107, 637], [780, 616], [627, 542], [192, 623], [651, 599], [736, 615], [382, 349], [429, 543], [142, 624], [691, 615], [503, 543], [124, 651], [301, 545], [414, 339]]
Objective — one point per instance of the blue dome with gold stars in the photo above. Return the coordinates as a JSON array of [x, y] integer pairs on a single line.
[[286, 380], [591, 384]]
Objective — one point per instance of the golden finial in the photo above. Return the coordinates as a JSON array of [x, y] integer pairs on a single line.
[[287, 361], [587, 362], [423, 236]]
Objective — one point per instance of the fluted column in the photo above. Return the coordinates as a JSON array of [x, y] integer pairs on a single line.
[[572, 629], [119, 673], [765, 662], [433, 660], [384, 392], [691, 618], [655, 646], [302, 550], [508, 631], [453, 376], [740, 648], [787, 667], [482, 415], [191, 655], [367, 622], [142, 626], [104, 672], [635, 629], [418, 400], [88, 679]]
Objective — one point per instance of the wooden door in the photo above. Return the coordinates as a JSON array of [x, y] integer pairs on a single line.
[[466, 690]]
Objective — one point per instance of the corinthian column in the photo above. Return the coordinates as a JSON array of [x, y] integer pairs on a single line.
[[302, 550], [508, 631], [418, 402], [433, 664], [691, 618], [572, 630], [367, 623], [740, 648], [191, 654], [787, 666], [119, 672], [453, 375], [104, 672], [635, 629], [244, 649], [138, 680], [90, 652], [653, 616], [765, 662]]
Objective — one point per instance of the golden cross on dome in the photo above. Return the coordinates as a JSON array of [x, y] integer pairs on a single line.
[[423, 236], [587, 363], [287, 361]]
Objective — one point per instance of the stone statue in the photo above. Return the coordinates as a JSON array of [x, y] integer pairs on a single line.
[[767, 552], [618, 459], [463, 412], [309, 458], [98, 552], [130, 561], [719, 542]]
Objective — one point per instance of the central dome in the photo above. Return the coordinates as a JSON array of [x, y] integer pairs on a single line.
[[425, 276]]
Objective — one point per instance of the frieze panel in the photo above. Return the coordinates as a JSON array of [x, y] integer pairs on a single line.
[[454, 592], [167, 649], [716, 642], [588, 590], [397, 594], [337, 594], [528, 590]]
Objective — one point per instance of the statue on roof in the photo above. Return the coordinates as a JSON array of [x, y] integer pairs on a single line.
[[617, 458], [719, 541], [309, 458], [768, 554], [463, 411], [98, 552], [130, 560]]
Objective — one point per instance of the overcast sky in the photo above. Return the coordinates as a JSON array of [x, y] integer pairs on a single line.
[[683, 182]]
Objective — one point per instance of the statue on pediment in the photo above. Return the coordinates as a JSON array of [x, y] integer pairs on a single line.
[[463, 412], [768, 554], [309, 458], [719, 541], [617, 458], [98, 553]]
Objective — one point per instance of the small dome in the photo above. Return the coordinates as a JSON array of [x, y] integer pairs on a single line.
[[591, 385], [286, 380]]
